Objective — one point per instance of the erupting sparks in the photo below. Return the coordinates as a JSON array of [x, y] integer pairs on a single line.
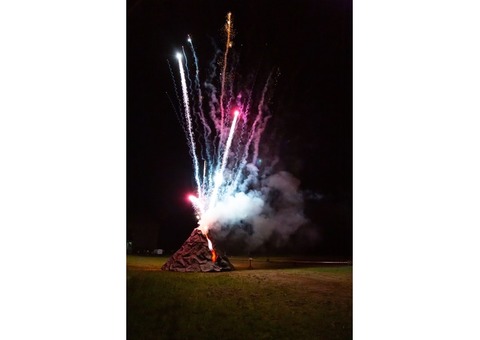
[[227, 128]]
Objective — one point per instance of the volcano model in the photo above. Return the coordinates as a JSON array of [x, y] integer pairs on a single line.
[[197, 255]]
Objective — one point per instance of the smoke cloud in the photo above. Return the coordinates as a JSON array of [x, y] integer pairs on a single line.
[[269, 212]]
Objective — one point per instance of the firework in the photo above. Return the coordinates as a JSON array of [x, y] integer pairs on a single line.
[[224, 117]]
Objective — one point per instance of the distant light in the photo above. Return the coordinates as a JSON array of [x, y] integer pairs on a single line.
[[236, 112], [179, 55]]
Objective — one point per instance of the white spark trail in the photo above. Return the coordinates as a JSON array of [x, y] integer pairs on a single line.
[[189, 123], [206, 128], [219, 178]]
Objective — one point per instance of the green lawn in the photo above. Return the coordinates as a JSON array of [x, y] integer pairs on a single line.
[[272, 301]]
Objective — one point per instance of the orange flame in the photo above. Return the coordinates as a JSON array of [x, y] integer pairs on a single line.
[[214, 254]]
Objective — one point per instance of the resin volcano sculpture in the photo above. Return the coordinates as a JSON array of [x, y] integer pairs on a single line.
[[195, 255]]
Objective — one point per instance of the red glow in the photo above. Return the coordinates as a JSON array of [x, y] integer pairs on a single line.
[[236, 112]]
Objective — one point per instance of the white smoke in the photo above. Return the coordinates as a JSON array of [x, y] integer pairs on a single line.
[[271, 211], [232, 209]]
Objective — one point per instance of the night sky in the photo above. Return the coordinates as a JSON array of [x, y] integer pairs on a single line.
[[309, 42]]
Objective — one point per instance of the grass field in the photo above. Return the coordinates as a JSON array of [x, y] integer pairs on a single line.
[[277, 299]]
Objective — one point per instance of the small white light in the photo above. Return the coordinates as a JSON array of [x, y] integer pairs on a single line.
[[179, 55], [218, 178]]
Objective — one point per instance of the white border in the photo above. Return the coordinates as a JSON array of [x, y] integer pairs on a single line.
[[62, 173]]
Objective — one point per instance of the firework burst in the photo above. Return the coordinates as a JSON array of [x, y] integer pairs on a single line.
[[228, 132]]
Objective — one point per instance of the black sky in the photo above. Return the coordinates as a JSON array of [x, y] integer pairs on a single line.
[[310, 42]]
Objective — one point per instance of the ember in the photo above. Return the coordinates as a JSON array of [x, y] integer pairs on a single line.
[[197, 255]]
